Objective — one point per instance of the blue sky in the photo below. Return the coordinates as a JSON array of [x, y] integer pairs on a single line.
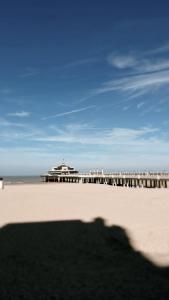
[[87, 81]]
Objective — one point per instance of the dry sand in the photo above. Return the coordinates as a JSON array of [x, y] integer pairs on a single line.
[[143, 213], [83, 242]]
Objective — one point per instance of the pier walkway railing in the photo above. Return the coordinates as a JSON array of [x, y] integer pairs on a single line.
[[148, 180]]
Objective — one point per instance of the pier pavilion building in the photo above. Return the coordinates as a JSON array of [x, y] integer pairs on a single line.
[[64, 173]]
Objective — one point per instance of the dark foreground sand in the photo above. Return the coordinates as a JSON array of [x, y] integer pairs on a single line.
[[73, 241]]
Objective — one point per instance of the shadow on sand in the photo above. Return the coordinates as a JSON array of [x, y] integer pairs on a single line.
[[75, 260]]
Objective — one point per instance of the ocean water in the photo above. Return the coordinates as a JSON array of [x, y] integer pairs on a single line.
[[21, 179]]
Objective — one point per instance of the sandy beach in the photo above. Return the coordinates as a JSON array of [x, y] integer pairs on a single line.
[[143, 213], [83, 241]]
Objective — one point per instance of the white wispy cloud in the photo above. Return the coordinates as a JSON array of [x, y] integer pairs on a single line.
[[6, 123], [141, 73], [134, 95], [138, 62], [146, 73], [140, 104], [155, 108], [152, 65], [78, 63], [97, 136], [161, 49], [122, 61], [14, 131], [19, 114], [126, 108], [93, 143], [136, 83], [70, 112]]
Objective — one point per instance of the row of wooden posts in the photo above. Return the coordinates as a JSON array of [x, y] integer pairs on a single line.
[[115, 181]]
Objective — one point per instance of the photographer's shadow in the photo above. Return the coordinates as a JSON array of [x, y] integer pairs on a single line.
[[75, 260]]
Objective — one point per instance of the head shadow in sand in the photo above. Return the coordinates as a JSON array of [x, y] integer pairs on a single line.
[[75, 260]]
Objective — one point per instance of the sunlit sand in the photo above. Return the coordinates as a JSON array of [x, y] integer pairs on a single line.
[[143, 213]]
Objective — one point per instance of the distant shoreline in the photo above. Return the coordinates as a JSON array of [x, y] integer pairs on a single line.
[[12, 180]]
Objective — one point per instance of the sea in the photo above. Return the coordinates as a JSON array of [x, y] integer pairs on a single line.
[[21, 179]]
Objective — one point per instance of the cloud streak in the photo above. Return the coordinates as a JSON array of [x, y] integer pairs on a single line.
[[159, 50], [6, 123], [93, 136], [19, 114], [122, 62], [138, 64], [93, 143], [136, 83], [140, 74], [78, 63], [70, 112]]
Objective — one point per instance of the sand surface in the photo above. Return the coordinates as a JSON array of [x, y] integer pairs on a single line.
[[143, 213], [83, 242]]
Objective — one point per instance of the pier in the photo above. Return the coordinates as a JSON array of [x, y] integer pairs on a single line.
[[141, 180]]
